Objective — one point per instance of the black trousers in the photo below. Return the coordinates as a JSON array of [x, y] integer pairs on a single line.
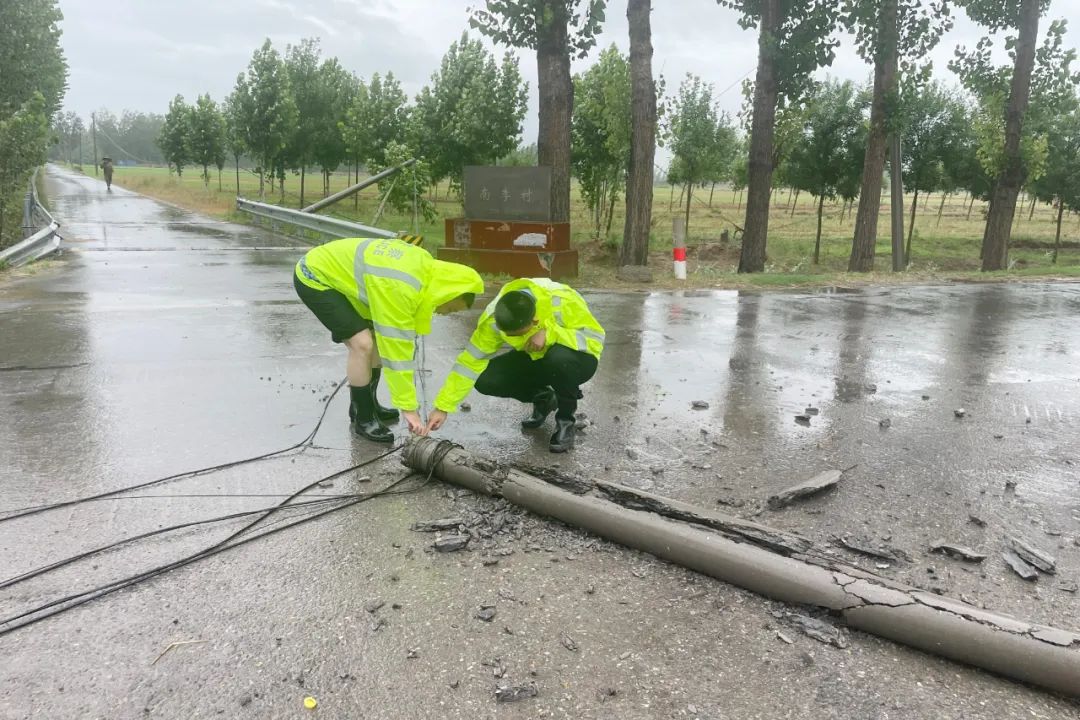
[[516, 375]]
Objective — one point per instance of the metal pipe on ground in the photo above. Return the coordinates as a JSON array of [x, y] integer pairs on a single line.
[[1037, 654], [353, 189]]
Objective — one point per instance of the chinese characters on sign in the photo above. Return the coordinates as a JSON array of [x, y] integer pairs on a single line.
[[508, 193]]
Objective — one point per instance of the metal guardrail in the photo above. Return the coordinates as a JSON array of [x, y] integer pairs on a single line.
[[320, 224], [39, 242]]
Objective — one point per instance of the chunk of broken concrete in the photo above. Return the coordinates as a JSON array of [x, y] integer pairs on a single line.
[[568, 643], [450, 523], [884, 552], [373, 605], [486, 613], [1018, 566], [957, 551], [514, 693], [959, 412], [451, 543], [802, 420], [820, 630], [699, 405], [818, 483], [1034, 556]]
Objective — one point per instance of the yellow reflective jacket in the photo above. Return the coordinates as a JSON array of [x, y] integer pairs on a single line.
[[395, 285], [560, 311]]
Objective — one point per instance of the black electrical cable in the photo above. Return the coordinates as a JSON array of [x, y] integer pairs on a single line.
[[34, 510], [322, 500], [263, 513], [78, 599]]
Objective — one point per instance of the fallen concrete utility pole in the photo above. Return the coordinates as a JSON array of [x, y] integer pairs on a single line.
[[353, 189], [782, 566]]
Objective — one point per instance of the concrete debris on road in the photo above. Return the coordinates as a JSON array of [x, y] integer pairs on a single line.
[[1020, 567], [486, 613], [1032, 555], [451, 543], [820, 630], [699, 405], [813, 486], [976, 520], [885, 423], [452, 523], [802, 420], [568, 643], [958, 551], [959, 412], [865, 547], [514, 693], [373, 605]]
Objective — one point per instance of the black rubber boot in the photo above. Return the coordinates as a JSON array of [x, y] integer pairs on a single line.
[[544, 404], [362, 412], [386, 414], [563, 437]]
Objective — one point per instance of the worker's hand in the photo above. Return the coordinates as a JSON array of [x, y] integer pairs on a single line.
[[435, 420], [538, 340], [416, 425]]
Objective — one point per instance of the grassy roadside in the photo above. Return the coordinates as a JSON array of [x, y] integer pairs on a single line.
[[945, 243]]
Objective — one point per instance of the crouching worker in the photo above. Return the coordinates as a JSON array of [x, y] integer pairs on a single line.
[[376, 296], [555, 345]]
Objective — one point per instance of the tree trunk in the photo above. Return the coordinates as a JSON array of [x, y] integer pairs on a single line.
[[817, 240], [971, 205], [610, 214], [219, 179], [995, 251], [911, 227], [760, 168], [740, 198], [1031, 215], [671, 198], [1057, 237], [303, 173], [556, 91], [796, 203], [689, 194], [237, 159], [866, 220], [711, 191], [941, 208]]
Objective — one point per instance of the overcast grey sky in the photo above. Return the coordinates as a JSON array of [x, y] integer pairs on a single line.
[[138, 54]]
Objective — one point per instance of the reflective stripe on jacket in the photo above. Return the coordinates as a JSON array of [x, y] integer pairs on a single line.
[[395, 285], [560, 311]]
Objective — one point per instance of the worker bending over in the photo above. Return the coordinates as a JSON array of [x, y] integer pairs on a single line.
[[555, 344], [376, 296]]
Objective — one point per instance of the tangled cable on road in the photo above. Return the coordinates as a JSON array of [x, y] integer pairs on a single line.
[[35, 509], [309, 510]]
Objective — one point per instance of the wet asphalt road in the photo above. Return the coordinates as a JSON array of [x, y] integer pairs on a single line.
[[164, 341]]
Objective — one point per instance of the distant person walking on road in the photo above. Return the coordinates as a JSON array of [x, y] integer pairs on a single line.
[[376, 296], [555, 345], [107, 167]]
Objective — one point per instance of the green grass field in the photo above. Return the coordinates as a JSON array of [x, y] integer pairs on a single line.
[[945, 248]]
